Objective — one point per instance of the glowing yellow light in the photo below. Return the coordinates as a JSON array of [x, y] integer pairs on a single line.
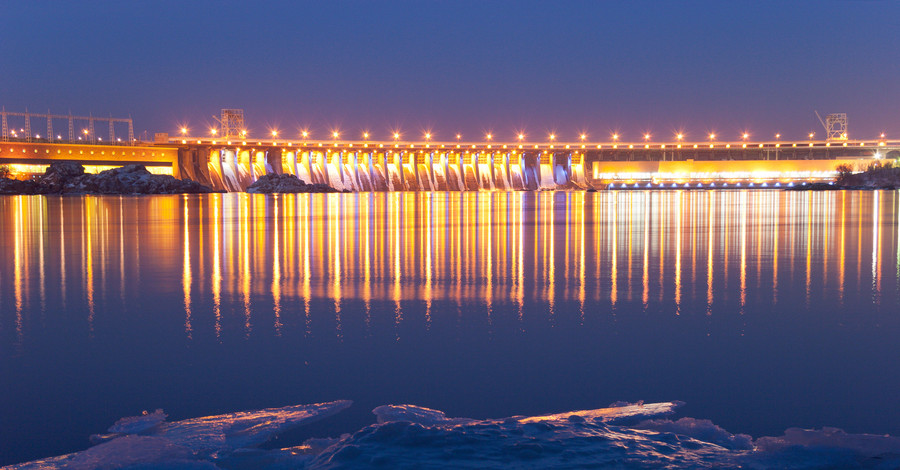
[[427, 135], [243, 131], [335, 134], [183, 130], [552, 136], [646, 136], [85, 131], [213, 130], [777, 136], [745, 135], [305, 134], [458, 136], [882, 135], [521, 136], [680, 136], [583, 136], [615, 136], [712, 136], [274, 133], [811, 134], [489, 136], [365, 135], [396, 135]]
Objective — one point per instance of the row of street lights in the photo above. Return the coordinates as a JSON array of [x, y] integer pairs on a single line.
[[679, 136]]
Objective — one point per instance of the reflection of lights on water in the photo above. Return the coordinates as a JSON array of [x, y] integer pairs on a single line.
[[418, 251]]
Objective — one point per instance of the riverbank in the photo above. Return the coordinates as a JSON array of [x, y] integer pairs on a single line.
[[875, 176]]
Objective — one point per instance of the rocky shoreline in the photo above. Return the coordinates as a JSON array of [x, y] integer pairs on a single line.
[[70, 178], [876, 176]]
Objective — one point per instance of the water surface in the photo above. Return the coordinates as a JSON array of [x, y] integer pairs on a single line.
[[761, 309]]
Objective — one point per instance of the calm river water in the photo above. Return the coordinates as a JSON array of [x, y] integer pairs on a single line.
[[760, 309]]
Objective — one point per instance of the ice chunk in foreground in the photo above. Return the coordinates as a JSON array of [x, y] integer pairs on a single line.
[[138, 424], [149, 440], [224, 433]]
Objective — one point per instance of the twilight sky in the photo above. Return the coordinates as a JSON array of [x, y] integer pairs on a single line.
[[461, 66]]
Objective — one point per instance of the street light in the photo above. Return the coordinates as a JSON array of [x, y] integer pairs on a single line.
[[811, 135], [583, 136], [489, 136], [647, 136], [184, 130], [305, 134], [777, 136], [274, 133], [521, 136], [615, 137], [680, 136], [428, 136], [745, 135], [458, 136], [213, 130], [552, 136], [396, 135], [335, 134], [712, 136], [366, 135]]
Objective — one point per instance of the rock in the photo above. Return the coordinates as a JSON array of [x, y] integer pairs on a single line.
[[70, 178], [12, 186], [268, 184]]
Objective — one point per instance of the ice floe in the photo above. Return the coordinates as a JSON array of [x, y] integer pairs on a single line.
[[406, 436]]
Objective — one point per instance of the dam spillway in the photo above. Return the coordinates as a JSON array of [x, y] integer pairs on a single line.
[[419, 166]]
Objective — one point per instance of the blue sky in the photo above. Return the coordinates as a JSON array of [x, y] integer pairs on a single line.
[[461, 66]]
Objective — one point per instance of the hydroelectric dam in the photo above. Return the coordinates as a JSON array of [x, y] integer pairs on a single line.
[[233, 160], [467, 166]]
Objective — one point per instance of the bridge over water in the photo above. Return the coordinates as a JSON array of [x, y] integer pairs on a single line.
[[459, 166]]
